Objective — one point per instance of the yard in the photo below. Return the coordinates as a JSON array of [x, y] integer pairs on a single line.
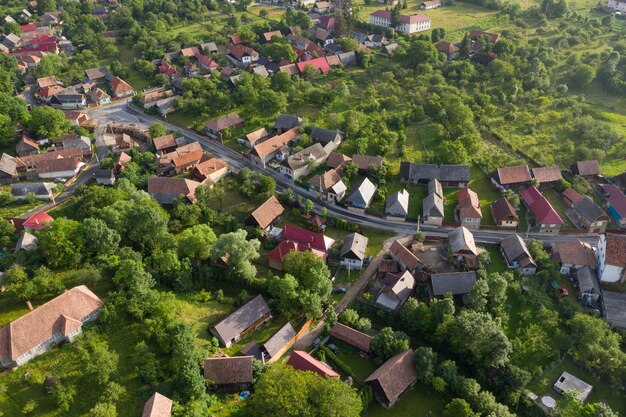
[[487, 193], [201, 315], [559, 205], [497, 261], [419, 401]]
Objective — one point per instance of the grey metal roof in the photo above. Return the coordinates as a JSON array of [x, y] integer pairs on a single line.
[[7, 165], [279, 339], [398, 203], [287, 121], [587, 281], [355, 243], [459, 173], [434, 186], [242, 318], [26, 242], [514, 248], [300, 159], [38, 188], [324, 135], [588, 209], [348, 58], [420, 172], [362, 196], [432, 205], [454, 282], [615, 308], [460, 238], [104, 173]]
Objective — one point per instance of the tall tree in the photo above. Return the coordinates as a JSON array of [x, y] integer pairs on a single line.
[[48, 122], [238, 252]]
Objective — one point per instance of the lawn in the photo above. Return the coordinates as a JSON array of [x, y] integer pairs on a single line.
[[419, 401], [361, 367], [18, 207], [450, 203], [487, 193], [201, 315], [260, 335], [127, 57], [559, 205], [602, 390], [497, 261]]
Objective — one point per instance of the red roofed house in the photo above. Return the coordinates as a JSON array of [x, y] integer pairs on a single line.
[[547, 175], [242, 54], [26, 146], [30, 27], [393, 378], [60, 319], [302, 361], [121, 88], [37, 221], [571, 196], [511, 176], [406, 258], [307, 238], [611, 256], [210, 171], [167, 69], [277, 256], [266, 214], [469, 208], [546, 218], [615, 202], [157, 406], [317, 63]]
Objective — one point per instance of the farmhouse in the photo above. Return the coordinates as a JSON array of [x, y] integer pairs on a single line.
[[242, 321], [210, 171], [275, 147], [393, 378], [397, 206], [586, 213], [573, 255], [407, 260], [41, 190], [157, 406], [168, 190], [353, 337], [276, 257], [547, 175], [367, 162], [266, 214], [469, 208], [228, 374], [547, 220], [462, 246], [302, 162], [60, 319], [611, 257], [516, 255], [504, 213], [214, 128], [302, 361], [121, 88], [397, 289], [456, 283], [58, 168], [353, 251], [165, 144], [328, 186], [325, 136], [362, 196]]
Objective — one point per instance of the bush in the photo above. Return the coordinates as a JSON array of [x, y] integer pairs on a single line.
[[343, 367]]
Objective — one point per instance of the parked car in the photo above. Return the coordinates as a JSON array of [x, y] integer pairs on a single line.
[[317, 342], [367, 261], [340, 290], [333, 348], [60, 180]]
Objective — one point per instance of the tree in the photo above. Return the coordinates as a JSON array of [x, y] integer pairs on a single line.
[[387, 343], [437, 34], [103, 409], [157, 130], [7, 230], [583, 74], [238, 252], [63, 396], [452, 152], [349, 44], [596, 344], [466, 46], [146, 226], [285, 291], [425, 360], [458, 408], [312, 274], [195, 243], [279, 50], [48, 122], [17, 284], [282, 391], [7, 129], [62, 243], [99, 238], [187, 379], [97, 358], [138, 283], [272, 103]]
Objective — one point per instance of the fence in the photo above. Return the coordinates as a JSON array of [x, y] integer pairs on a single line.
[[303, 330]]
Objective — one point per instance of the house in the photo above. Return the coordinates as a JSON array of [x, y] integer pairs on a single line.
[[459, 284], [168, 190], [68, 98], [41, 190], [568, 382], [242, 55], [611, 257], [45, 94], [229, 374], [77, 118], [390, 49], [164, 144], [11, 41], [393, 378], [547, 175], [320, 64], [242, 321], [210, 171], [268, 36], [214, 128], [348, 58], [463, 247], [98, 96], [157, 406], [165, 106], [306, 237], [407, 24], [449, 175], [617, 5], [26, 146], [37, 221], [302, 361], [275, 147], [74, 141], [324, 37], [255, 137], [547, 220], [396, 290], [122, 162], [276, 257], [397, 206], [571, 196], [511, 176], [184, 158], [428, 5], [279, 343], [325, 137], [322, 7], [517, 256], [120, 88], [353, 337], [8, 169], [60, 319], [432, 209], [353, 250], [302, 162], [615, 202], [504, 213], [59, 168], [362, 196], [586, 213], [104, 176], [98, 75], [406, 259], [266, 214], [367, 162], [614, 307], [49, 81], [469, 208], [329, 186], [337, 161], [27, 242], [588, 285], [285, 122], [587, 169], [376, 40], [327, 23]]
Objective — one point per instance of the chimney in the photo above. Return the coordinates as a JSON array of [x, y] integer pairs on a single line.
[[29, 305]]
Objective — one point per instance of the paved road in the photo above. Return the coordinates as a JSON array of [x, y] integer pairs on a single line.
[[121, 113]]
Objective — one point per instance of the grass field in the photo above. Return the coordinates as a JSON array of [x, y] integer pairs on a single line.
[[487, 193], [419, 401], [497, 261], [559, 205], [201, 315], [361, 367]]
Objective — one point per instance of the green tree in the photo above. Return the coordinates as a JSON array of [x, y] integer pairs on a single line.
[[195, 243], [583, 74], [62, 243], [313, 277], [279, 50], [425, 360], [63, 396], [239, 253], [387, 343], [458, 408], [187, 379], [97, 358], [138, 283], [103, 409], [271, 103], [99, 239], [17, 284], [48, 122], [7, 231], [452, 152], [157, 130]]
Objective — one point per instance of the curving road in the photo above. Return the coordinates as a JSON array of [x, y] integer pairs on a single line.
[[122, 112]]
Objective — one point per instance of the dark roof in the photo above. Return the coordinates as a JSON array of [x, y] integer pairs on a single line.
[[228, 370], [242, 318], [287, 121], [324, 135], [420, 172], [515, 249], [453, 282], [38, 188], [365, 161], [587, 281], [221, 123], [586, 168], [363, 194], [279, 339], [454, 173], [518, 174], [615, 308], [503, 210], [352, 337], [588, 209], [355, 243], [396, 375]]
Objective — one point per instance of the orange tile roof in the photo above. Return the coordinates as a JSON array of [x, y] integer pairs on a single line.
[[271, 145]]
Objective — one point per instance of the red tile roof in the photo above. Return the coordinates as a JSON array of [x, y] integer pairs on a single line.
[[503, 210], [302, 361], [120, 86], [616, 250], [157, 406], [540, 206], [547, 174], [307, 238], [318, 63], [518, 174], [587, 168], [352, 337], [469, 204], [404, 255], [571, 195], [279, 252], [267, 212]]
